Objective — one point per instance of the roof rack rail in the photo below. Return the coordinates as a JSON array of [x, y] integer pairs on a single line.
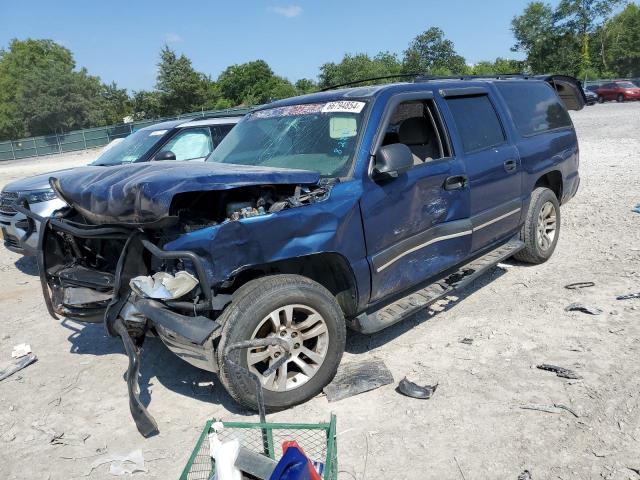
[[371, 79], [421, 77], [427, 78]]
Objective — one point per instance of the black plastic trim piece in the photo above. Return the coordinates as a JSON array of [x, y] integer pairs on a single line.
[[146, 424], [194, 329]]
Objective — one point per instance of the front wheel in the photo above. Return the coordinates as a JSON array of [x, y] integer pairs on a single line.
[[600, 99], [620, 98], [297, 310], [541, 228]]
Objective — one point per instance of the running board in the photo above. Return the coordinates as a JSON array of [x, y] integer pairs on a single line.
[[407, 306]]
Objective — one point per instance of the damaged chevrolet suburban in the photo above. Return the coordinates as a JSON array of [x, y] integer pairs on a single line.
[[351, 207]]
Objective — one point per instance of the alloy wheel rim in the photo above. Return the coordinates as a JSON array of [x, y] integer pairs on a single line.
[[307, 335], [546, 229]]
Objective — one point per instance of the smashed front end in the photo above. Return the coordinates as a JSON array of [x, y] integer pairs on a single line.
[[152, 248]]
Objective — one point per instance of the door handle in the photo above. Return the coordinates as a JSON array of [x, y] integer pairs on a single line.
[[510, 165], [457, 182]]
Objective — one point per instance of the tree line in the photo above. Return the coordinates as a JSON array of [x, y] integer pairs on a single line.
[[42, 91]]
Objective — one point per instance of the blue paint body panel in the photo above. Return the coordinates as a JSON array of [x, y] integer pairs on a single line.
[[393, 234]]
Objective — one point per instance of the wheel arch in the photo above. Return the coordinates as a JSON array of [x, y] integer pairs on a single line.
[[553, 181], [329, 269]]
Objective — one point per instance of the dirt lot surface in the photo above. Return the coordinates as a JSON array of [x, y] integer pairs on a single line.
[[70, 409]]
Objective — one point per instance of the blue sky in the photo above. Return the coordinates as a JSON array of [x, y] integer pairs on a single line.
[[120, 40]]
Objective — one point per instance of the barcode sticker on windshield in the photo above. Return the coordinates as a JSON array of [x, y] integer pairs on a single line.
[[156, 133], [343, 106]]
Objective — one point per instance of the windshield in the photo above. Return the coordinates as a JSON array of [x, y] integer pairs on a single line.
[[131, 148], [626, 85], [320, 137]]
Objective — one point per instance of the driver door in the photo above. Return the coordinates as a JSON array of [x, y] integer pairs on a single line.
[[416, 225]]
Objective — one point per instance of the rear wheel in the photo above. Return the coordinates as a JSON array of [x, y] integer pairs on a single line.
[[297, 310], [620, 98], [541, 229], [600, 99]]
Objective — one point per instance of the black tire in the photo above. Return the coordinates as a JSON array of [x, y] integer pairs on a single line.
[[600, 99], [533, 252], [620, 98], [250, 305]]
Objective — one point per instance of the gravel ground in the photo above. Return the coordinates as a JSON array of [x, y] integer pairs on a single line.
[[70, 409]]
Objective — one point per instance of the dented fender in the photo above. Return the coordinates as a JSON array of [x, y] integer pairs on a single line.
[[333, 226]]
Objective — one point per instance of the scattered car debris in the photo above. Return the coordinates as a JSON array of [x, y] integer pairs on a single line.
[[21, 350], [121, 464], [560, 371], [628, 296], [467, 341], [636, 209], [539, 408], [410, 389], [255, 464], [578, 285], [358, 377], [525, 475], [16, 365], [163, 285], [568, 409], [580, 307]]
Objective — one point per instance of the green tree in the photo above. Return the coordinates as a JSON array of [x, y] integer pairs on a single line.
[[55, 98], [253, 83], [432, 53], [146, 104], [357, 67], [116, 104], [500, 66], [305, 85], [581, 18], [621, 43], [41, 92], [181, 87]]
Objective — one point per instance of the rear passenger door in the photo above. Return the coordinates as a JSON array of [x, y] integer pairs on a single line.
[[491, 162]]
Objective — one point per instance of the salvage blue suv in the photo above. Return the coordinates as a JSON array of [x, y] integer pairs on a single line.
[[352, 207]]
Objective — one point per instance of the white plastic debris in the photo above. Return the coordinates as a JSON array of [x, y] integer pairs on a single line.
[[21, 350], [163, 285], [225, 455], [122, 464]]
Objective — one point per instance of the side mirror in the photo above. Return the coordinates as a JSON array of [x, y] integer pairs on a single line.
[[392, 160], [165, 155]]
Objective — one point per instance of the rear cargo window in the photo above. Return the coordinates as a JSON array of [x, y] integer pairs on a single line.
[[534, 106], [477, 122]]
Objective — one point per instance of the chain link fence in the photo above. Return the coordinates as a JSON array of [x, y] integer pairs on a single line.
[[90, 137]]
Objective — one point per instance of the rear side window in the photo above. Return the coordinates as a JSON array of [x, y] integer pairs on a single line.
[[534, 106], [477, 122]]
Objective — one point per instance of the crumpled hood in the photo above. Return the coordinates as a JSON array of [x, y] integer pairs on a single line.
[[37, 182], [140, 194]]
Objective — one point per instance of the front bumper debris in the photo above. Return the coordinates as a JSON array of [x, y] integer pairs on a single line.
[[89, 294]]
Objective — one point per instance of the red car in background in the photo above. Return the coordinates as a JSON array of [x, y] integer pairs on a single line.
[[620, 91]]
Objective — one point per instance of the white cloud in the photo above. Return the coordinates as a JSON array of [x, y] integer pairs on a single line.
[[172, 37], [288, 11]]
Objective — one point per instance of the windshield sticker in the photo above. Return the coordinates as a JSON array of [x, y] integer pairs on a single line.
[[156, 133], [289, 111], [343, 107]]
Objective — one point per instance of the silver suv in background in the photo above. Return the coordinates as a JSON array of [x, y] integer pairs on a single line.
[[177, 140]]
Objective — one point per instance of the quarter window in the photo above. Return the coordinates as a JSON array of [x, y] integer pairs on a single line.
[[534, 106], [477, 122]]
